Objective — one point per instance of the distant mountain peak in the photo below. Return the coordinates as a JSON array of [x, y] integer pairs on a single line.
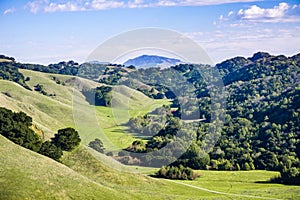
[[147, 61]]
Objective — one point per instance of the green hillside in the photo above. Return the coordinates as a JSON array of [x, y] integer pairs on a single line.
[[54, 111], [32, 176]]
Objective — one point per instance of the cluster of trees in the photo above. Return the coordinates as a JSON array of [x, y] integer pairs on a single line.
[[64, 140], [17, 128], [10, 72], [11, 59], [177, 172], [100, 96]]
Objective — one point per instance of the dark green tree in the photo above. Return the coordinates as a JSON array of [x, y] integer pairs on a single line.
[[66, 139], [50, 150]]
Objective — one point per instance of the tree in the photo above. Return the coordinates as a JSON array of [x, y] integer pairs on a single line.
[[66, 139], [97, 144], [49, 149]]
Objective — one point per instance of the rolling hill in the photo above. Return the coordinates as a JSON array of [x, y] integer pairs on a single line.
[[87, 174]]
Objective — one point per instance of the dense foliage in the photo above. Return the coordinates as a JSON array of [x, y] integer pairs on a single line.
[[10, 72], [17, 128], [174, 172], [100, 96], [261, 129], [66, 139]]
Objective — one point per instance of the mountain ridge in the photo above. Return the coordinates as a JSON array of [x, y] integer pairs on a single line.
[[146, 61]]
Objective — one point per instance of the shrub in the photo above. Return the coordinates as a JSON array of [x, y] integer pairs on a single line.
[[174, 172], [97, 144]]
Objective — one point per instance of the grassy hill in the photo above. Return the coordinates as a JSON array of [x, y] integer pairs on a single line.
[[55, 111], [32, 176]]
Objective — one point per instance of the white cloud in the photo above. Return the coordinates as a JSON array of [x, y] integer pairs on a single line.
[[221, 45], [279, 13], [230, 13], [255, 12], [103, 4], [198, 2], [35, 6], [53, 7], [8, 11], [82, 5]]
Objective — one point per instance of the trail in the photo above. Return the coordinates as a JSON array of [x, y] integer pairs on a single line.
[[222, 193]]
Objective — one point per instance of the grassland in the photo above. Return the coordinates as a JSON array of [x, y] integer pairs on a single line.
[[28, 175], [90, 175]]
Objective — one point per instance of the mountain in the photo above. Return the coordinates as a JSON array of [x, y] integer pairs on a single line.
[[147, 61]]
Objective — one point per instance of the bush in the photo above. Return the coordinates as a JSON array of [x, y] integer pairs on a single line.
[[97, 144], [174, 172]]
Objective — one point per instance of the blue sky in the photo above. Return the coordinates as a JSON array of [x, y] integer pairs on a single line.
[[48, 31]]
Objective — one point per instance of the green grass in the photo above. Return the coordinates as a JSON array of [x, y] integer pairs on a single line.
[[254, 183], [232, 185], [28, 175], [33, 176]]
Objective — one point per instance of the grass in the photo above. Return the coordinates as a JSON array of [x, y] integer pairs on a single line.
[[254, 183], [90, 175], [32, 176], [236, 185]]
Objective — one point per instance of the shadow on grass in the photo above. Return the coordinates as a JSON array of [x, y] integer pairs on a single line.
[[278, 180]]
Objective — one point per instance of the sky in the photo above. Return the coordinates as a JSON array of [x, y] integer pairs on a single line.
[[49, 31]]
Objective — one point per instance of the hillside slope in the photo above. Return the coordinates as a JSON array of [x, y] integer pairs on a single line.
[[55, 110], [33, 176]]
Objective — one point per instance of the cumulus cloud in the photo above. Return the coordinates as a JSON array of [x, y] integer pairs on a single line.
[[255, 12], [282, 12]]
